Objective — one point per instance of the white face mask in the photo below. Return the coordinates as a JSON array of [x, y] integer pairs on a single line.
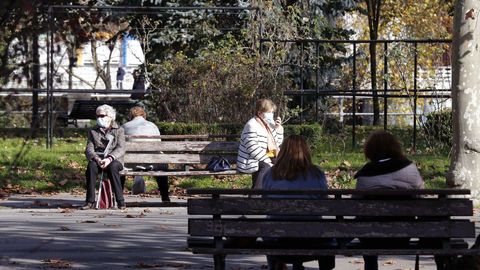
[[268, 117], [103, 122]]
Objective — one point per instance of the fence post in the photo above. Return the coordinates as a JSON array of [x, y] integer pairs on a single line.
[[385, 85], [415, 63], [354, 77]]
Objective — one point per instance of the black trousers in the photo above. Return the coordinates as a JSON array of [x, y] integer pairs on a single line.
[[112, 172], [162, 181]]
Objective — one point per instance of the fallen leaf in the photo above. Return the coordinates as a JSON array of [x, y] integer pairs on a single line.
[[146, 265], [112, 225], [57, 263], [64, 228], [389, 262], [356, 262], [63, 182]]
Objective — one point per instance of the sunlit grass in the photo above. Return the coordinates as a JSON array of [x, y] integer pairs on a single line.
[[29, 165]]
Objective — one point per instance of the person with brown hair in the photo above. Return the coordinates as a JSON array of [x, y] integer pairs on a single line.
[[260, 141], [138, 125], [294, 170], [387, 168]]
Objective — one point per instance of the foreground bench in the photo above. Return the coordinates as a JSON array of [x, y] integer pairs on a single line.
[[345, 214], [187, 155]]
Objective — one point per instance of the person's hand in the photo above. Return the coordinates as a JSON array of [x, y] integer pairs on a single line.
[[105, 162], [98, 161], [278, 124]]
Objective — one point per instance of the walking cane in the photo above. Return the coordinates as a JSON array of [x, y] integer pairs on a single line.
[[105, 153], [99, 191]]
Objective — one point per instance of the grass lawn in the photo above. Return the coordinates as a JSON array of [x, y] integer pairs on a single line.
[[27, 166]]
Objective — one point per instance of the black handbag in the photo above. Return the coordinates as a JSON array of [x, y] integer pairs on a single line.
[[218, 164]]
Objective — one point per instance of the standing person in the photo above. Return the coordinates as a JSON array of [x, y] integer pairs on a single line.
[[99, 137], [294, 170], [138, 125], [120, 76], [387, 168], [138, 85], [260, 142]]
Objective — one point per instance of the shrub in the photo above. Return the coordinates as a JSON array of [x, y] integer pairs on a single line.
[[439, 126], [219, 86], [313, 133], [169, 128]]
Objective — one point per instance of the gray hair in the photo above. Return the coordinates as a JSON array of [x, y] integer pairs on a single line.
[[109, 110]]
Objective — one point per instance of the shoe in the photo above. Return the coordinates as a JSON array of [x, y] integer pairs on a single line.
[[122, 206], [165, 199], [88, 205]]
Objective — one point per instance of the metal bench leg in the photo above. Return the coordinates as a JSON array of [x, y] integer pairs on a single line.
[[417, 262], [219, 261]]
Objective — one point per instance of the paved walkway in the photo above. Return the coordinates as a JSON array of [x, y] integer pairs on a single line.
[[39, 232]]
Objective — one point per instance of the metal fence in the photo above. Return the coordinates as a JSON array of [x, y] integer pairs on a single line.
[[315, 85]]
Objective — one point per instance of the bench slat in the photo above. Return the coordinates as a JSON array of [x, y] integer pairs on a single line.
[[346, 192], [178, 173], [326, 229], [173, 158], [326, 252], [184, 136], [331, 207], [200, 146]]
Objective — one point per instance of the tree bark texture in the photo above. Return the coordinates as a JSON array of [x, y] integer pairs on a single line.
[[373, 9], [464, 167]]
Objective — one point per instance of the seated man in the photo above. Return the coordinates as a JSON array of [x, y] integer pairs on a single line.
[[138, 125], [105, 138]]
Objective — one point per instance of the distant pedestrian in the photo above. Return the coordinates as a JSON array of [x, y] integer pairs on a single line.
[[120, 76], [138, 85]]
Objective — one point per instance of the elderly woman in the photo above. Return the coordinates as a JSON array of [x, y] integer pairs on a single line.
[[260, 142], [105, 150]]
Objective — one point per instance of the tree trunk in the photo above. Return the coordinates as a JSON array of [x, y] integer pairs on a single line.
[[465, 162], [373, 10], [35, 124], [373, 78]]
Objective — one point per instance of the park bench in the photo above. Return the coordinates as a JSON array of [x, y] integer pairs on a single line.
[[187, 155], [344, 215], [86, 109]]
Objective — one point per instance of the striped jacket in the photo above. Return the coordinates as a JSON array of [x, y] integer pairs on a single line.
[[253, 146]]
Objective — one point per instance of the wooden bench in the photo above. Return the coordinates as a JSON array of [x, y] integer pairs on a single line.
[[339, 214], [188, 153], [86, 109]]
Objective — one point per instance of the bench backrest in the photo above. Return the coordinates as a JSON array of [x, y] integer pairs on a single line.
[[345, 214], [152, 150]]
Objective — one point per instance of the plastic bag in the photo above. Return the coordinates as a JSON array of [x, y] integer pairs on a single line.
[[218, 164]]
